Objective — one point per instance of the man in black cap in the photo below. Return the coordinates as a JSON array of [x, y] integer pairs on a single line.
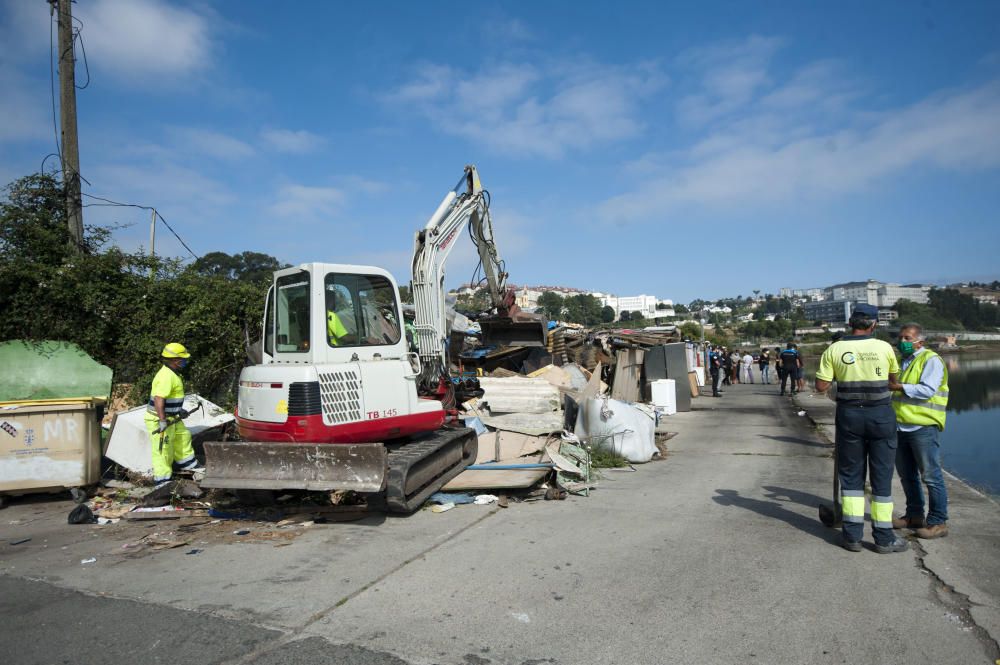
[[863, 368]]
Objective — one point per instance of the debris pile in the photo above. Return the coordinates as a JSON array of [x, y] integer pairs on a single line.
[[547, 417]]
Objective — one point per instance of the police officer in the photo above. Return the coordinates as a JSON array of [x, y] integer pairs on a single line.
[[715, 368], [170, 439], [789, 359], [863, 368]]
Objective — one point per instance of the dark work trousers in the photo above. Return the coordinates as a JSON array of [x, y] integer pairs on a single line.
[[716, 381], [790, 376], [866, 437]]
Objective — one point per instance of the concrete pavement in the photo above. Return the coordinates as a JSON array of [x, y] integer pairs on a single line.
[[713, 555]]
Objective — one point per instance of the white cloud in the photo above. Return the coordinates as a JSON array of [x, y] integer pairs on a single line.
[[136, 39], [729, 77], [526, 109], [296, 142], [193, 140], [741, 167], [306, 202]]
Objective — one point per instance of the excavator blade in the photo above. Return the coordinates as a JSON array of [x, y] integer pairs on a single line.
[[504, 331], [320, 467]]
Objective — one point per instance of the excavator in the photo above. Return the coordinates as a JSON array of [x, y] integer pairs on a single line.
[[342, 399]]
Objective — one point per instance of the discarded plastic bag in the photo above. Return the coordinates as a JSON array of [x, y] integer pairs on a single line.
[[616, 426], [81, 514]]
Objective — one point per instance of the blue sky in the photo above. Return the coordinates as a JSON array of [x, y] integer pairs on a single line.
[[681, 150]]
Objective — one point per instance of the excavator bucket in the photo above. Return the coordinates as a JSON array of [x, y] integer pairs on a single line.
[[360, 467], [503, 331]]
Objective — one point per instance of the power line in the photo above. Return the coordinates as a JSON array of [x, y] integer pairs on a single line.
[[119, 204], [52, 80], [78, 35]]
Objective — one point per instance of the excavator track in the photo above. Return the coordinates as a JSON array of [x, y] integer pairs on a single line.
[[422, 466]]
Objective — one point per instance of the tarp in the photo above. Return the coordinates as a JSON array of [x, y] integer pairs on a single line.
[[50, 370]]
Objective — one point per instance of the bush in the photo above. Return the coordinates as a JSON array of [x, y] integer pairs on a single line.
[[119, 307]]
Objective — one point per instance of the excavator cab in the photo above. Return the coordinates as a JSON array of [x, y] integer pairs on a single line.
[[337, 384]]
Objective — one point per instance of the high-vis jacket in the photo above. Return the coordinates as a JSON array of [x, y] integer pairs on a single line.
[[335, 329], [861, 366], [168, 385], [915, 411]]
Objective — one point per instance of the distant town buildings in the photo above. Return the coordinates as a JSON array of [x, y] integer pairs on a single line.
[[641, 306], [833, 304]]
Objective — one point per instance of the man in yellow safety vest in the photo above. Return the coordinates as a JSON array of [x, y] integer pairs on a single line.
[[170, 439], [920, 399], [863, 368]]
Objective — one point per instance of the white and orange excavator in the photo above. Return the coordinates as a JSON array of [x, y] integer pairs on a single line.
[[343, 400]]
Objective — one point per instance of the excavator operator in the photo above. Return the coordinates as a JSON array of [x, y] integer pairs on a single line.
[[336, 331]]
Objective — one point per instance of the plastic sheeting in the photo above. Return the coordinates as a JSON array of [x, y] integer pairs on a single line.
[[50, 370], [617, 426]]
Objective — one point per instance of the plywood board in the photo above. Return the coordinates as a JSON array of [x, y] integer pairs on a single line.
[[512, 446], [484, 480]]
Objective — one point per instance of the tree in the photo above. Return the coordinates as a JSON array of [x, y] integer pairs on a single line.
[[105, 301], [690, 330], [248, 266], [404, 295], [478, 301], [625, 315], [551, 305], [607, 314], [680, 309], [583, 308]]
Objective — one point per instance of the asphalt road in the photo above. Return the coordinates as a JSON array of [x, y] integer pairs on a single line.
[[713, 555]]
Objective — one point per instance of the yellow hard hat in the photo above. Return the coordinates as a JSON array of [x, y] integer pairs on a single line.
[[175, 350]]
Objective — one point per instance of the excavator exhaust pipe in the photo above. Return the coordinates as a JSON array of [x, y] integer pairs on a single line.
[[360, 467]]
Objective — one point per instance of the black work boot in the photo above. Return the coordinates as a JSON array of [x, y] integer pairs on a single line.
[[898, 545]]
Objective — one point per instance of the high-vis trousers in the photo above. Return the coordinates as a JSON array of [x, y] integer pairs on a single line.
[[866, 438], [176, 448]]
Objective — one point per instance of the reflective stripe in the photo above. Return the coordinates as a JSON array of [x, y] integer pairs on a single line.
[[864, 397], [863, 390], [882, 511], [853, 507], [186, 461], [171, 405], [919, 402], [852, 493], [861, 385]]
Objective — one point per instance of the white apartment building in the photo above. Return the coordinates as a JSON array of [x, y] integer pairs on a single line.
[[644, 305], [880, 294], [810, 294], [890, 294]]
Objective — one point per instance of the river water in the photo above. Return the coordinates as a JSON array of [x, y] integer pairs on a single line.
[[970, 443]]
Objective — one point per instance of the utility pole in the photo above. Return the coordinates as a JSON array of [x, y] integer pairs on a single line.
[[67, 110], [152, 233]]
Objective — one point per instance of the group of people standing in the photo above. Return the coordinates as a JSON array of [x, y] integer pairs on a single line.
[[737, 366], [889, 415]]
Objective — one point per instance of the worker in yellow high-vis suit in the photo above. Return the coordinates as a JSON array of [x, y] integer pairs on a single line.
[[170, 439], [863, 368]]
